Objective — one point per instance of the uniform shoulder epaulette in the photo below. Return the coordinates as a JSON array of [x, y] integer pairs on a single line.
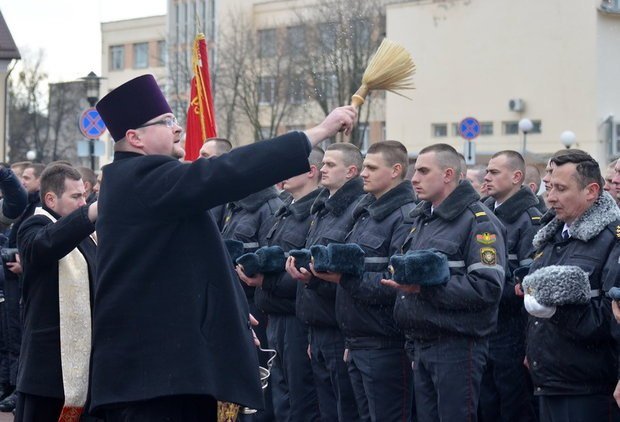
[[479, 212], [614, 228], [535, 215]]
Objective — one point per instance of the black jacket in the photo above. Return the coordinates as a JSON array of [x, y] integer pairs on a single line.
[[473, 239], [573, 352], [364, 305], [520, 216], [34, 201], [332, 219], [247, 220], [14, 196], [289, 230], [170, 316], [42, 244]]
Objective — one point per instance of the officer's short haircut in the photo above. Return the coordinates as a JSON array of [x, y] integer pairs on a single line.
[[588, 170], [532, 175], [351, 155], [463, 165], [612, 165], [393, 152], [514, 160], [37, 169], [447, 157], [53, 179], [479, 172], [88, 175], [222, 145], [316, 157], [566, 151], [20, 166]]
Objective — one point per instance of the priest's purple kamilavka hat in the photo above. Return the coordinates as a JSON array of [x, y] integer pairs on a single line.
[[131, 105]]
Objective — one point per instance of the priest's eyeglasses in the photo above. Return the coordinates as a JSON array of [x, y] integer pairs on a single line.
[[169, 122]]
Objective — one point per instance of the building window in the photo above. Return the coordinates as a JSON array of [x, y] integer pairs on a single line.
[[511, 128], [140, 55], [162, 53], [266, 89], [455, 129], [327, 36], [364, 136], [296, 90], [117, 57], [537, 126], [439, 130], [361, 33], [486, 128], [296, 40], [325, 85], [267, 43], [265, 132]]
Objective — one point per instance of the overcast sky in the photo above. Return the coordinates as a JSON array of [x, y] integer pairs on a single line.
[[69, 31]]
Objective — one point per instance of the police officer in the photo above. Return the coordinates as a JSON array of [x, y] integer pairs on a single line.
[[332, 219], [248, 220], [375, 353], [570, 351], [294, 395], [449, 324], [505, 393]]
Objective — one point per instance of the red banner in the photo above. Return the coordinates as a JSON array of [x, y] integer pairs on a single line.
[[200, 114]]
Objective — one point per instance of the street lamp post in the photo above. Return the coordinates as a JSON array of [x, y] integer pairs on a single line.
[[567, 138], [92, 83], [525, 126]]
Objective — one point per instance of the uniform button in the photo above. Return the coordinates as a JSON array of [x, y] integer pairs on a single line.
[[538, 388], [558, 248], [535, 322], [402, 297], [535, 363]]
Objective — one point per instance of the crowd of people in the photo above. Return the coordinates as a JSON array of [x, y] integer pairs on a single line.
[[458, 294]]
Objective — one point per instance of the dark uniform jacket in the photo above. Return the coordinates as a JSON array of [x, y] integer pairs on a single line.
[[520, 216], [14, 197], [289, 231], [573, 351], [332, 219], [473, 239], [34, 201], [170, 317], [42, 244], [248, 220], [364, 305]]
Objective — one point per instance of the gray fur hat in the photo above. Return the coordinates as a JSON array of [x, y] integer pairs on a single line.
[[558, 285]]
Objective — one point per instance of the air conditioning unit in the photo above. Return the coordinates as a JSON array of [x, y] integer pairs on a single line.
[[516, 104]]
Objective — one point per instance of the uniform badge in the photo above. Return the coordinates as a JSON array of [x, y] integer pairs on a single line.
[[538, 255], [618, 232], [412, 230], [486, 238], [488, 256]]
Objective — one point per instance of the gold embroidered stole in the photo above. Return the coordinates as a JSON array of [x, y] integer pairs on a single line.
[[75, 323]]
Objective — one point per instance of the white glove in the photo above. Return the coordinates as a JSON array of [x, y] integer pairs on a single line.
[[536, 309]]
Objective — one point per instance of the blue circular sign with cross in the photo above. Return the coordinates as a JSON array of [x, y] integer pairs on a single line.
[[469, 128], [91, 124]]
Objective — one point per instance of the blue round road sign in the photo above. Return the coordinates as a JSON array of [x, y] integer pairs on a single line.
[[91, 124], [469, 128]]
